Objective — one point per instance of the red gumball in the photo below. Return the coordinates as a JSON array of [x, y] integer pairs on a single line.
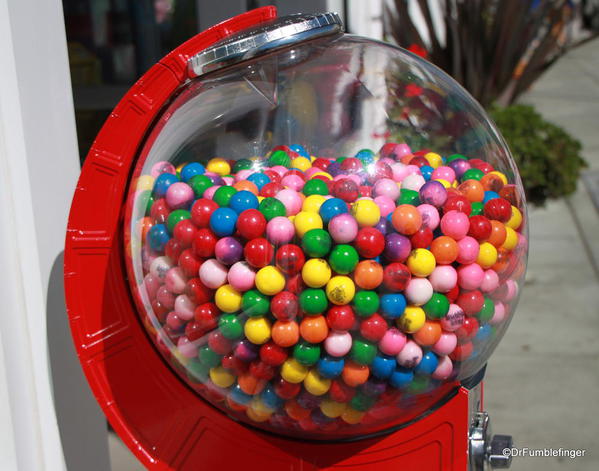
[[189, 263], [369, 242], [346, 190], [471, 301], [467, 330], [173, 249], [365, 190], [287, 390], [270, 190], [206, 315], [160, 311], [234, 364], [499, 209], [341, 318], [480, 228], [219, 343], [457, 203], [251, 224], [453, 293], [341, 392], [185, 232], [201, 211], [198, 292], [274, 176], [373, 328], [419, 161], [422, 238], [194, 331], [260, 370], [462, 351], [290, 259], [295, 284], [351, 165], [284, 306], [204, 243], [396, 276], [321, 163], [273, 354], [482, 165], [159, 211], [258, 252]]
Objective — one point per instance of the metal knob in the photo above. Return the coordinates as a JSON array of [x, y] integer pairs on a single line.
[[497, 459], [486, 449]]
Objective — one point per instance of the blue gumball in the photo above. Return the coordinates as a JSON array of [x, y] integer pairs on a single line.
[[223, 221]]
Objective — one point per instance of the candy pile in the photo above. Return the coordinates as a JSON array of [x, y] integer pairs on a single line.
[[309, 291]]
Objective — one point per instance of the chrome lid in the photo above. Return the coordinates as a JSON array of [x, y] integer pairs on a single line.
[[260, 39]]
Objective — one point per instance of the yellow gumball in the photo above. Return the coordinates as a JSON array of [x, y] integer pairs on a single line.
[[293, 371], [305, 221], [352, 416], [340, 290], [324, 174], [316, 384], [421, 262], [433, 159], [366, 212], [500, 175], [221, 377], [445, 183], [511, 239], [257, 330], [313, 203], [487, 255], [515, 220], [316, 272], [301, 163], [332, 409], [228, 299], [258, 412], [412, 319], [270, 280], [144, 183], [219, 166]]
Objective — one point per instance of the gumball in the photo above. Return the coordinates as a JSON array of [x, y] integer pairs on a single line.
[[331, 208], [490, 281], [251, 224], [330, 367], [401, 378], [373, 328], [222, 196], [410, 355], [290, 259], [271, 208], [284, 306], [346, 190], [227, 298], [422, 238], [406, 219], [338, 343], [418, 291], [470, 301], [258, 252], [257, 330], [340, 318], [273, 354], [413, 182], [428, 334], [498, 209], [314, 329], [453, 319], [430, 216], [158, 237], [285, 333], [412, 319], [316, 272], [343, 228], [515, 221], [437, 306], [306, 353], [397, 247], [313, 301], [470, 276], [366, 212], [213, 274], [467, 330], [223, 221], [173, 249], [368, 274], [313, 203], [343, 259], [455, 225], [433, 193], [393, 305], [443, 278], [365, 303], [228, 250], [316, 243], [241, 276], [392, 342], [468, 250], [315, 187], [280, 230], [293, 371], [445, 250], [427, 365], [369, 242], [409, 197], [396, 276], [175, 280], [487, 255], [285, 389], [270, 280], [421, 262], [498, 234], [457, 203], [340, 290], [201, 212]]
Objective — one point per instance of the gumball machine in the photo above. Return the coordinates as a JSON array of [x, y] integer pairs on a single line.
[[293, 248]]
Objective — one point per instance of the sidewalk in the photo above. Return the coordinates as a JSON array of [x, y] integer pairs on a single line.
[[543, 381]]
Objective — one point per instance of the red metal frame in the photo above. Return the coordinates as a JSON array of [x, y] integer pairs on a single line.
[[158, 417]]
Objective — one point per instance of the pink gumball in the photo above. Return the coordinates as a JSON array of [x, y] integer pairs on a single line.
[[470, 276], [410, 355], [280, 230], [241, 276], [392, 342], [419, 291], [455, 224], [159, 266], [430, 216], [499, 314], [343, 228], [454, 319], [385, 204], [468, 249], [291, 200], [243, 174], [184, 307], [209, 192], [179, 195], [490, 281], [162, 167], [175, 280], [443, 278], [386, 187], [293, 182], [446, 343], [338, 343], [228, 181], [413, 181], [165, 297], [443, 173], [444, 369], [279, 169], [187, 348], [175, 321], [399, 171], [213, 273], [152, 283]]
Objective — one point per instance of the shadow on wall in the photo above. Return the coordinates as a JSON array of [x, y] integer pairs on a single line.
[[82, 425]]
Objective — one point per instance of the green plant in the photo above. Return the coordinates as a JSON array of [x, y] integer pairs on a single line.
[[548, 157]]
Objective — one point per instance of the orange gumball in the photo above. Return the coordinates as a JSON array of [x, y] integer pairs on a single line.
[[492, 182], [445, 249], [144, 225], [295, 411], [354, 375], [406, 219], [250, 384], [503, 260], [247, 186], [285, 333], [498, 233], [234, 405], [428, 334], [473, 190], [368, 274], [314, 329]]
